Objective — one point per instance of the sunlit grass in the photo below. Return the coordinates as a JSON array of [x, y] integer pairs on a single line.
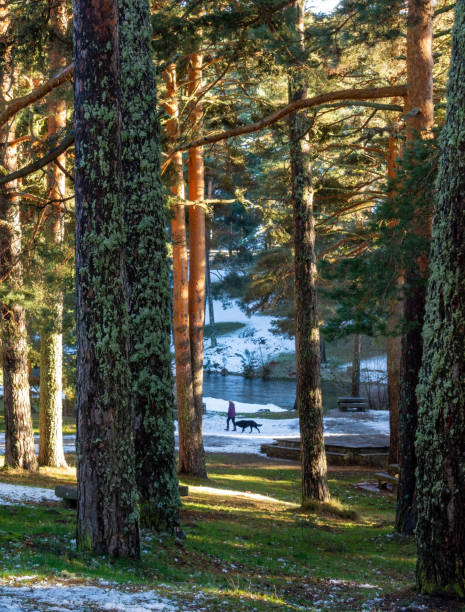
[[69, 422], [240, 553]]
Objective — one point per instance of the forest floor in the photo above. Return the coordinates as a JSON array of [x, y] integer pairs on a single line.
[[249, 546]]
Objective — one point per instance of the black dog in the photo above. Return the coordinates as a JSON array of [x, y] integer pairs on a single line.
[[245, 424]]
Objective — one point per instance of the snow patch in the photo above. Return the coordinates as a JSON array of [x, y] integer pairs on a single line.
[[61, 598], [11, 494], [253, 344], [371, 370], [214, 404]]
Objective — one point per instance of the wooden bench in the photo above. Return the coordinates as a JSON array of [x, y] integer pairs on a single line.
[[352, 404], [385, 479], [69, 494]]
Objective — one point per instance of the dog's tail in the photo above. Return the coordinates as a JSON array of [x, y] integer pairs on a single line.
[[259, 425]]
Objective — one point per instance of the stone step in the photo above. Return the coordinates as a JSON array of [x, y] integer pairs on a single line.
[[288, 442], [336, 455]]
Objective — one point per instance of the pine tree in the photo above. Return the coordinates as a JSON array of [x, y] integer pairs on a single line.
[[309, 400], [440, 441], [107, 519], [51, 341], [19, 438], [147, 270], [420, 117]]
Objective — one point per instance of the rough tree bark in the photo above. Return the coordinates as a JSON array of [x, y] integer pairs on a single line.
[[51, 337], [194, 461], [19, 438], [309, 400], [147, 267], [107, 514], [440, 442], [420, 97]]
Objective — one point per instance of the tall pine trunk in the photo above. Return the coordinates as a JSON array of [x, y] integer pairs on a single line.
[[19, 437], [309, 400], [208, 239], [181, 335], [147, 269], [107, 515], [420, 107], [194, 462], [394, 346], [357, 346], [51, 337], [209, 296], [440, 442]]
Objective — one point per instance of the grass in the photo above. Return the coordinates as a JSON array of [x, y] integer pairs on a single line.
[[69, 422], [338, 352], [222, 329], [240, 553]]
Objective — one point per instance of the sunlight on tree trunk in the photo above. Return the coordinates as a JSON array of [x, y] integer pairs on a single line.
[[51, 336]]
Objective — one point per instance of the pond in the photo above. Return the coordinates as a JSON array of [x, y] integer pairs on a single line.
[[258, 391]]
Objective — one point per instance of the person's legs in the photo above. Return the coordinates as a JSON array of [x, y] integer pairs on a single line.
[[227, 423], [234, 423]]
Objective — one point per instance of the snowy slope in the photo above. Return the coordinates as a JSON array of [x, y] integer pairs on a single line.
[[255, 337]]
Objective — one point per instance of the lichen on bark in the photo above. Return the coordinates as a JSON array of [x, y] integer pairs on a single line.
[[107, 520], [147, 266], [440, 440]]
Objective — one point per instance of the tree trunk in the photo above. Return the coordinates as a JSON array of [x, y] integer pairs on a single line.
[[420, 96], [182, 347], [309, 401], [393, 370], [356, 366], [147, 268], [107, 515], [51, 337], [322, 351], [440, 442], [19, 438], [196, 464], [394, 340], [211, 310]]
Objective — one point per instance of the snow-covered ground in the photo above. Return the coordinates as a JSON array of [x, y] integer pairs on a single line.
[[61, 597], [371, 370], [220, 405], [216, 439], [255, 341], [11, 494]]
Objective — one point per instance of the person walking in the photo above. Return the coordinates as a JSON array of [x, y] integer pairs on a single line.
[[231, 415]]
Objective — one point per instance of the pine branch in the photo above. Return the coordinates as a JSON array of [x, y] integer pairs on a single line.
[[40, 163], [351, 95], [39, 92]]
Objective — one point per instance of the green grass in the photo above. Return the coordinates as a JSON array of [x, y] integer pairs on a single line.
[[69, 422], [224, 328], [241, 553]]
